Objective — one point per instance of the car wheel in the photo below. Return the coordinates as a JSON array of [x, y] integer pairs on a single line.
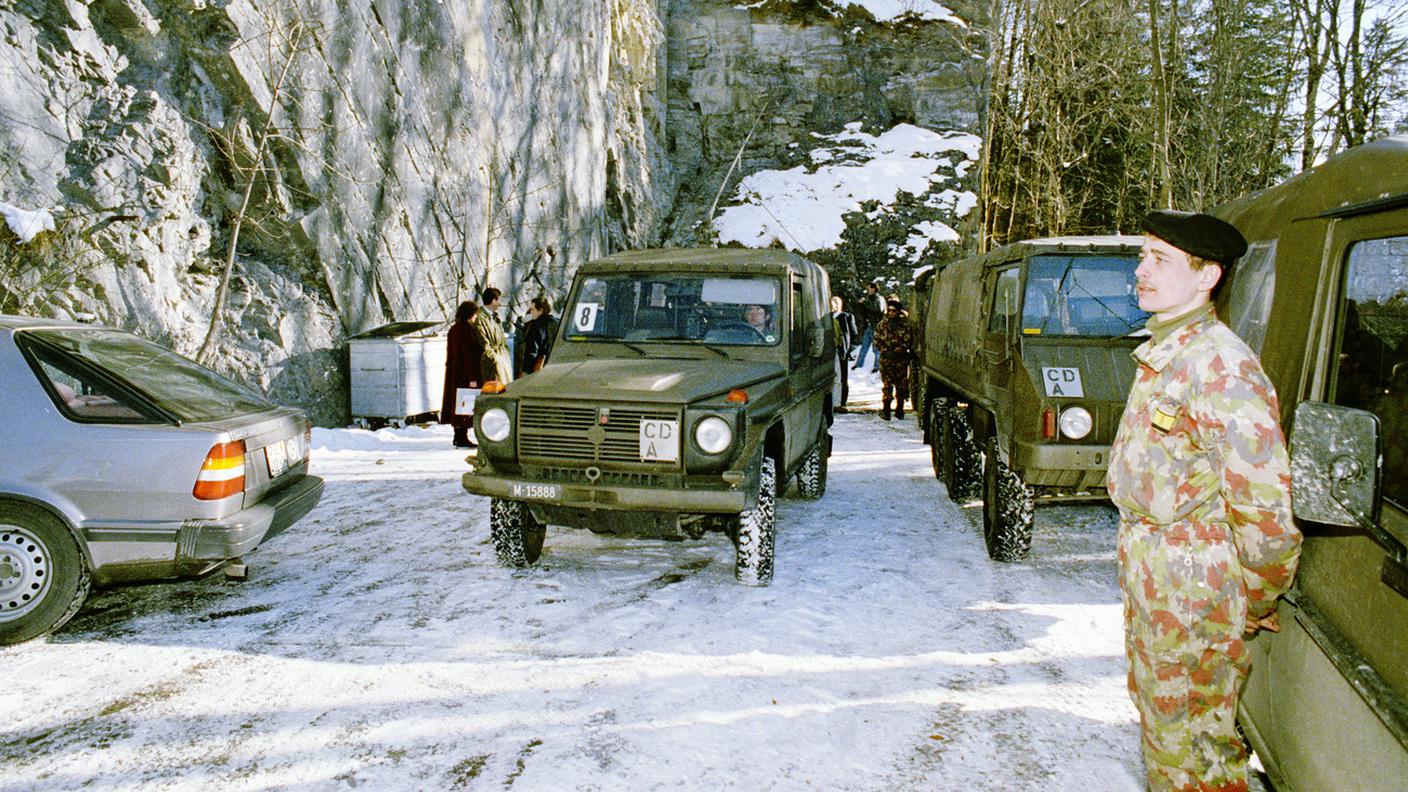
[[518, 538], [756, 532], [43, 579], [811, 479], [957, 462], [1007, 509]]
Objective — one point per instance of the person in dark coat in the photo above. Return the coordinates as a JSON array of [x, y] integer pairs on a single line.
[[538, 334], [844, 327], [462, 354]]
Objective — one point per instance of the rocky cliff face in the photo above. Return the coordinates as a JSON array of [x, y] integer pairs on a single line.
[[385, 160], [777, 74]]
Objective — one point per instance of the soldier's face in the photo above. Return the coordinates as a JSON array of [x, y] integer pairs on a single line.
[[1167, 284]]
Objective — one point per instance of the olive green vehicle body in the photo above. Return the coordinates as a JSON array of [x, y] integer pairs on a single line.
[[970, 351], [602, 483], [1326, 705]]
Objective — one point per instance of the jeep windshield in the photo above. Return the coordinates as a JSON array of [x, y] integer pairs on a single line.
[[1081, 295], [645, 308]]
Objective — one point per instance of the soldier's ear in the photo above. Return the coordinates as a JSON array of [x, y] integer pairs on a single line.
[[1209, 275]]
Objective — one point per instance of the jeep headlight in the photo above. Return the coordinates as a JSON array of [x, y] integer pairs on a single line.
[[494, 423], [1076, 422], [713, 435]]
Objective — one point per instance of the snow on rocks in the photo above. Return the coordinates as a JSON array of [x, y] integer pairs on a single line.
[[803, 209], [378, 643], [27, 224]]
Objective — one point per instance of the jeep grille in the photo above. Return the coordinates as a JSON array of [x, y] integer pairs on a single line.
[[560, 433]]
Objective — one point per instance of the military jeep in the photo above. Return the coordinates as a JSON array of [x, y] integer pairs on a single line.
[[1322, 296], [1023, 371], [685, 388]]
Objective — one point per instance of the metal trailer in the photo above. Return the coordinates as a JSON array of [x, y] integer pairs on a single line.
[[397, 373]]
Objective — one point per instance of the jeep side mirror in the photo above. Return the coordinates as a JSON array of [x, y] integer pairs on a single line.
[[1335, 465]]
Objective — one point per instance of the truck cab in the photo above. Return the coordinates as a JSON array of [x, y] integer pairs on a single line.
[[1023, 374]]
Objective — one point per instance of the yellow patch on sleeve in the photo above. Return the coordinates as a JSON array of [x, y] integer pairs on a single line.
[[1161, 420]]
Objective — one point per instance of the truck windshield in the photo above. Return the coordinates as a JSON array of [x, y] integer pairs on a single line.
[[650, 307], [1082, 295]]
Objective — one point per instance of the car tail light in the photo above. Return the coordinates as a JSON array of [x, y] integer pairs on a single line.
[[1048, 424], [222, 475]]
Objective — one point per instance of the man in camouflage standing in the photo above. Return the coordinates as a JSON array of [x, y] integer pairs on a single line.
[[1200, 474], [894, 346]]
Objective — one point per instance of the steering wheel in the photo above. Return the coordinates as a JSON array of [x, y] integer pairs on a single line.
[[735, 324]]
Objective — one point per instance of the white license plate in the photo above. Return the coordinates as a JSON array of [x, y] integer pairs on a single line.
[[283, 454], [536, 491]]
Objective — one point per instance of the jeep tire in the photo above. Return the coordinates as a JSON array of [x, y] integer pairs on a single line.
[[1007, 509], [518, 538], [756, 532], [43, 578], [811, 478]]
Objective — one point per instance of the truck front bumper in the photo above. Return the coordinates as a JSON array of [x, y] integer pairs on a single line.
[[1063, 465]]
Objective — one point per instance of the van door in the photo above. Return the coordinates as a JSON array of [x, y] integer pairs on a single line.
[[999, 357], [1335, 682]]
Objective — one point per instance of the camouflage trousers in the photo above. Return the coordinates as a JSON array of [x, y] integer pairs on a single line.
[[1184, 614], [894, 377]]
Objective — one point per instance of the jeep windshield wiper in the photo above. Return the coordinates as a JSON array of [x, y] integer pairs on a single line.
[[693, 342]]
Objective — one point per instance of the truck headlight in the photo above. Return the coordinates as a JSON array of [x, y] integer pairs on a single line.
[[713, 435], [494, 423], [1076, 422]]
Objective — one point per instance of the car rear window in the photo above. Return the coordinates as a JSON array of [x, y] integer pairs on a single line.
[[176, 384]]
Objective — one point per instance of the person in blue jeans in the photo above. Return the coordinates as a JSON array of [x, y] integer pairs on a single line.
[[870, 311]]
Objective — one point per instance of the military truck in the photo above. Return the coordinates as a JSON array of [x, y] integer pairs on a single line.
[[685, 388], [1024, 369], [1322, 296]]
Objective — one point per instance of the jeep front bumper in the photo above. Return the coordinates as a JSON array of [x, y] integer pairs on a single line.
[[599, 496]]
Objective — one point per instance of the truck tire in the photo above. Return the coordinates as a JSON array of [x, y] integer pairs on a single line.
[[43, 579], [955, 456], [518, 538], [756, 532], [811, 479], [1007, 509]]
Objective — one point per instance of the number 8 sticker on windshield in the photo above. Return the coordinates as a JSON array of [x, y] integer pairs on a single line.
[[586, 315]]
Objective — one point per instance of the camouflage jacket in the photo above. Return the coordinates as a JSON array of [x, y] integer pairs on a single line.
[[894, 337], [1200, 459]]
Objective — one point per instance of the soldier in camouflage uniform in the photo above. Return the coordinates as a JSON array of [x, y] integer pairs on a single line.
[[894, 346], [1200, 474]]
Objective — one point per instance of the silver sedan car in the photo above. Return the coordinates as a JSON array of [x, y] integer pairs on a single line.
[[120, 460]]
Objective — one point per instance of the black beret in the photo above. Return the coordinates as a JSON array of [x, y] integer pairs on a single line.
[[1200, 234], [896, 304]]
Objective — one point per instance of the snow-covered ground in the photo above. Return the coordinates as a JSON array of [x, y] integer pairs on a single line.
[[378, 644]]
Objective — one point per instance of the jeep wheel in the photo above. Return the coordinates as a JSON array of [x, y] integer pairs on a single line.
[[811, 479], [518, 538], [1007, 509], [43, 579], [955, 456], [757, 532]]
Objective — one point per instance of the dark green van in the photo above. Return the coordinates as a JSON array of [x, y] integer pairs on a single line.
[[1322, 296]]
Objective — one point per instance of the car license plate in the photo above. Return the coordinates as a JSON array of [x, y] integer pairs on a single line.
[[283, 454], [536, 491]]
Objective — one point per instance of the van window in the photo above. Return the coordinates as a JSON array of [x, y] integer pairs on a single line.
[[1253, 283], [1373, 356]]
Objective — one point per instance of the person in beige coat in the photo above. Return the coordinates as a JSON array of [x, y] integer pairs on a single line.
[[496, 363]]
